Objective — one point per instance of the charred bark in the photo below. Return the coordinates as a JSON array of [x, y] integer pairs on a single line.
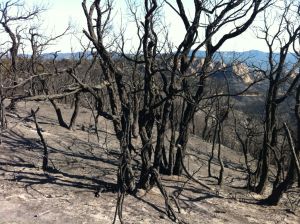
[[294, 168], [45, 151]]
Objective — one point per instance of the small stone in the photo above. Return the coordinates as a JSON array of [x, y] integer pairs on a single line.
[[182, 211], [140, 193]]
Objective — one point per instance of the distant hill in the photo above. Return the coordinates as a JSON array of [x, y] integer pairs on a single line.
[[74, 55], [61, 56], [252, 57]]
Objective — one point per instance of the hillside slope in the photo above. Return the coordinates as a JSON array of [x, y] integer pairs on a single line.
[[82, 166]]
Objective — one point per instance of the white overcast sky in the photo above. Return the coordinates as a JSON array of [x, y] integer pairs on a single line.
[[61, 12]]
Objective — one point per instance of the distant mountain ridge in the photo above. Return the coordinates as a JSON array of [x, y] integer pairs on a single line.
[[251, 57], [61, 56]]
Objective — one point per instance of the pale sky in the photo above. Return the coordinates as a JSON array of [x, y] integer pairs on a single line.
[[61, 12]]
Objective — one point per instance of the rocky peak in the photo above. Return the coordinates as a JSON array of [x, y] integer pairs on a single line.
[[242, 71]]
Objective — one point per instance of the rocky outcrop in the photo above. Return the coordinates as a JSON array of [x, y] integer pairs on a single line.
[[236, 70], [242, 71]]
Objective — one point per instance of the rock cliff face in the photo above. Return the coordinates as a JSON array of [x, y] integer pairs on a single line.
[[197, 65], [239, 70], [219, 65], [242, 71]]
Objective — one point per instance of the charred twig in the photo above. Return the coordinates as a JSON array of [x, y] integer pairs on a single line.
[[291, 143], [192, 176], [170, 211]]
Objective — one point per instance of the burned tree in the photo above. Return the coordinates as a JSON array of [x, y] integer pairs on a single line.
[[117, 91], [219, 14], [247, 132], [293, 170], [12, 15], [8, 21], [167, 77], [277, 75]]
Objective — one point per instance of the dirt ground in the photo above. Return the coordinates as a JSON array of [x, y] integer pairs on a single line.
[[82, 167]]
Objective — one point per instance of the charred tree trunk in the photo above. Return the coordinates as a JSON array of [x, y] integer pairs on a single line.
[[146, 123], [270, 137], [172, 141], [297, 113], [125, 175], [183, 137], [2, 110], [45, 152], [135, 103], [59, 115], [159, 161], [212, 151], [206, 133], [147, 114], [75, 112], [294, 168], [245, 148], [221, 172], [3, 123], [135, 120]]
